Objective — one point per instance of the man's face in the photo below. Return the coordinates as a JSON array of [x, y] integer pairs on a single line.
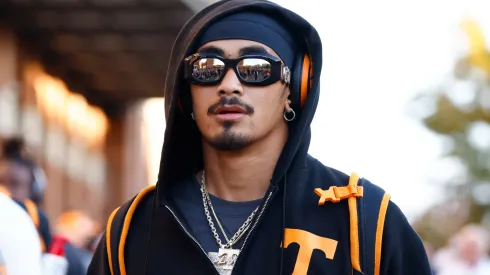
[[231, 115], [16, 178]]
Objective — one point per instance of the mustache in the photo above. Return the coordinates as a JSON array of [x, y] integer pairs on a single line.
[[235, 101]]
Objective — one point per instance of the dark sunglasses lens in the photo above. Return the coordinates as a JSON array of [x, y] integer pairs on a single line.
[[254, 70], [207, 69]]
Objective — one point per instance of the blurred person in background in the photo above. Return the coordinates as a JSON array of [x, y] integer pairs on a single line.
[[236, 180], [20, 247], [24, 182], [74, 230], [466, 254]]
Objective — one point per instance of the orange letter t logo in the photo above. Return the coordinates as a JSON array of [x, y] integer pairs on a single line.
[[307, 243]]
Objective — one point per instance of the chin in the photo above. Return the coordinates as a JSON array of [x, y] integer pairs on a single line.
[[229, 141]]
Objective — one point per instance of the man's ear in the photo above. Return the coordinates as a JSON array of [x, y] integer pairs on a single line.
[[287, 105], [287, 101]]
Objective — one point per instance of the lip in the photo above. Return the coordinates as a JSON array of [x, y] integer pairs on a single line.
[[230, 113]]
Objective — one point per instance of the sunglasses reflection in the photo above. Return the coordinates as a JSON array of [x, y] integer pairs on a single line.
[[249, 70]]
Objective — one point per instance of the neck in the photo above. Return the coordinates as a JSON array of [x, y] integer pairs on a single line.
[[243, 175]]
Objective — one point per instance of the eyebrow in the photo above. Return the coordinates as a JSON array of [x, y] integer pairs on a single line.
[[253, 50], [212, 49]]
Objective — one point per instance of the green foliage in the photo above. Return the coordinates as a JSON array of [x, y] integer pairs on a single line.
[[454, 121]]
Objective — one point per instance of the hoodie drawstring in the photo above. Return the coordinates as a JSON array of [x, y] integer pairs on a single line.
[[283, 230]]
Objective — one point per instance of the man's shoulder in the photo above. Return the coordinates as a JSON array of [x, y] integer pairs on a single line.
[[135, 206], [325, 176]]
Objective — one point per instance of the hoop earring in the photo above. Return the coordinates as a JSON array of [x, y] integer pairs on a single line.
[[192, 115], [289, 116]]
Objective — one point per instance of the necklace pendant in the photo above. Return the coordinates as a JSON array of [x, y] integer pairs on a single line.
[[224, 260]]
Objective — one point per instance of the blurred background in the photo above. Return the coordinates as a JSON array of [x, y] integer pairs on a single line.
[[405, 103]]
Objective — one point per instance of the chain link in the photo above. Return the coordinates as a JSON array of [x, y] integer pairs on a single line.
[[207, 202], [241, 231]]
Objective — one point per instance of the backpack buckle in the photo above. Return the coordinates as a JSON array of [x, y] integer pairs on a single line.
[[336, 194]]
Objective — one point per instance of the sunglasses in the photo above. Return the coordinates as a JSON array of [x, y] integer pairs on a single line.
[[255, 70]]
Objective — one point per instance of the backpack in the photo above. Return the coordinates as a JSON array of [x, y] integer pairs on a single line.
[[367, 215]]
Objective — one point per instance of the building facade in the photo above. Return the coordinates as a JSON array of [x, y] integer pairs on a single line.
[[73, 78]]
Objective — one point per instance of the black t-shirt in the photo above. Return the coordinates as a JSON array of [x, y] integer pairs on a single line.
[[232, 215]]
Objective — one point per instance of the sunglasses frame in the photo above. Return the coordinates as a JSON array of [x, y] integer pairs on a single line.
[[279, 71]]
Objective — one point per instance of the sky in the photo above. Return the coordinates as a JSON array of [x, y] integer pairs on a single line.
[[377, 56]]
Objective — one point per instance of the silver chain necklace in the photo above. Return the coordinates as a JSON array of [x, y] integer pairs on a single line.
[[224, 260]]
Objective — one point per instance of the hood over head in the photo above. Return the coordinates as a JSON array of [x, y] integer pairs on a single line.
[[182, 153]]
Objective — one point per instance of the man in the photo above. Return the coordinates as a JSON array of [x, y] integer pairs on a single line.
[[20, 179], [20, 249], [237, 191]]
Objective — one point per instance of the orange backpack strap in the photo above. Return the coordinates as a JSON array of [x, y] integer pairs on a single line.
[[367, 216], [352, 192], [117, 231], [31, 208], [354, 222], [33, 212], [108, 239]]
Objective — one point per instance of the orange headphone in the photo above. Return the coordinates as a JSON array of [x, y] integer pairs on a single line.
[[301, 81]]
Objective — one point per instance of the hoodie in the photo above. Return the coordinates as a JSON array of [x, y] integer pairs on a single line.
[[293, 234]]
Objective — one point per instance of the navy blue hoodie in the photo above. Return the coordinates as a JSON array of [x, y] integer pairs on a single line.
[[317, 237]]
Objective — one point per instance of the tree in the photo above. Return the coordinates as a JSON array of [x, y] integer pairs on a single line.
[[462, 115]]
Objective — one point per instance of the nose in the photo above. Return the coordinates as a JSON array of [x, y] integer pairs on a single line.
[[230, 85]]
